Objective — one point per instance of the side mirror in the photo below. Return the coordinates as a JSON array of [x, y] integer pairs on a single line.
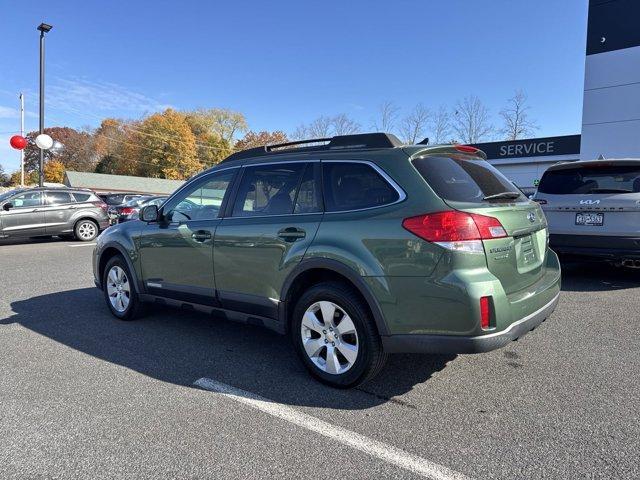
[[149, 213], [7, 206]]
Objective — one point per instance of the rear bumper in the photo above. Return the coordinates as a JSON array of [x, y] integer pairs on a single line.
[[412, 343], [603, 247]]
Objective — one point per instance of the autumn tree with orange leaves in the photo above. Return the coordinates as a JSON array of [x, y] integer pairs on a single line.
[[259, 139]]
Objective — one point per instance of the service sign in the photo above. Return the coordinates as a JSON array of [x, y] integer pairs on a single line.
[[532, 147]]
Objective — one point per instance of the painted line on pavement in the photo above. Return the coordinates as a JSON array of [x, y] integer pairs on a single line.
[[82, 245], [380, 450]]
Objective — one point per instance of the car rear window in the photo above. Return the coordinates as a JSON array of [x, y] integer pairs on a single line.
[[464, 180], [593, 179], [113, 199]]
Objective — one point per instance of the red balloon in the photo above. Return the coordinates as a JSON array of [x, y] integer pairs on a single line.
[[18, 142]]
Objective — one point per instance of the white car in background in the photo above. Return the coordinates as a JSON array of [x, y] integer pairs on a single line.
[[593, 209]]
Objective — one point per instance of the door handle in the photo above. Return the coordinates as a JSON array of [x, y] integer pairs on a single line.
[[291, 234], [201, 235]]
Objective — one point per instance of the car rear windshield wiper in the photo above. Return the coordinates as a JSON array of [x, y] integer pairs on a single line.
[[509, 195]]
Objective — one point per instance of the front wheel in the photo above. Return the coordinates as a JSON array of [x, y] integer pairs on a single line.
[[335, 336], [120, 290]]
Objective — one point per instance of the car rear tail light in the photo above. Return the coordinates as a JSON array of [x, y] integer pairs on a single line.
[[466, 149], [456, 230], [101, 205], [489, 227], [485, 312], [127, 210]]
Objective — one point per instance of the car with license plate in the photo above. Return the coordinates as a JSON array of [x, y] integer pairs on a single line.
[[356, 246], [593, 209]]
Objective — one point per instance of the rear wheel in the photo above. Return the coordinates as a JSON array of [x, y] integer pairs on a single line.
[[335, 336], [119, 290], [86, 230]]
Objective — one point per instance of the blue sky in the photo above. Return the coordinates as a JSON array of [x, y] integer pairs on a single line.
[[286, 62]]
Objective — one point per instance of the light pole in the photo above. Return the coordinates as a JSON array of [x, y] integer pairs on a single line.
[[22, 135], [43, 28]]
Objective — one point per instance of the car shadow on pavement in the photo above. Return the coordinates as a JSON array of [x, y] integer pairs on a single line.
[[181, 346], [595, 277], [32, 240]]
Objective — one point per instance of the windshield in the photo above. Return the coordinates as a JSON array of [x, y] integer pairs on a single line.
[[466, 180], [591, 179]]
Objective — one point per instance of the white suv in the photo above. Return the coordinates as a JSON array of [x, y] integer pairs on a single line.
[[593, 209]]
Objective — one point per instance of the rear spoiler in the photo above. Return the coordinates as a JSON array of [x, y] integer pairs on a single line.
[[449, 149]]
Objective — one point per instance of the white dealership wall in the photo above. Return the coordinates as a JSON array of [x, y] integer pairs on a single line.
[[611, 108]]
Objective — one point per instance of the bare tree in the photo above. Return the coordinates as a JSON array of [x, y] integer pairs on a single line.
[[413, 126], [388, 116], [515, 116], [320, 128], [440, 126], [343, 125], [325, 126], [470, 120], [300, 133]]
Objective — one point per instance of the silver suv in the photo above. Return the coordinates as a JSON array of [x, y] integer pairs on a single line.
[[593, 209], [64, 212]]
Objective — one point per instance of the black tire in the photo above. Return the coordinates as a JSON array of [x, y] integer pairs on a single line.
[[370, 356], [134, 308], [86, 230]]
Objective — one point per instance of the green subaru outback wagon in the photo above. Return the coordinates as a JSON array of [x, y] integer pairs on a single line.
[[356, 246]]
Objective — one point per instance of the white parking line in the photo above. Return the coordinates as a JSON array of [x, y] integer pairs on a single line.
[[377, 449], [81, 245]]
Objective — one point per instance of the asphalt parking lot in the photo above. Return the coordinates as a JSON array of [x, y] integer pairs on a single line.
[[85, 396]]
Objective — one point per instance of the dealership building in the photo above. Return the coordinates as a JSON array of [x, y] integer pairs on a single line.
[[524, 161], [611, 105]]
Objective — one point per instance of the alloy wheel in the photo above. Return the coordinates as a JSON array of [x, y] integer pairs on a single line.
[[329, 337], [87, 230], [118, 289]]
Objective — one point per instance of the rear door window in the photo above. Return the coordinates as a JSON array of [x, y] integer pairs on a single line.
[[466, 180], [355, 186], [594, 179], [58, 198], [308, 197]]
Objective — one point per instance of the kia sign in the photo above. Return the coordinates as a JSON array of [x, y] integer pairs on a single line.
[[532, 147]]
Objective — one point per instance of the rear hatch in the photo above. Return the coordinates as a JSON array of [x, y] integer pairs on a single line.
[[470, 184], [593, 198]]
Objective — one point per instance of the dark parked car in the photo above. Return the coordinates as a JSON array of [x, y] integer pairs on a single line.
[[118, 198], [65, 212], [115, 200], [130, 210], [357, 246]]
